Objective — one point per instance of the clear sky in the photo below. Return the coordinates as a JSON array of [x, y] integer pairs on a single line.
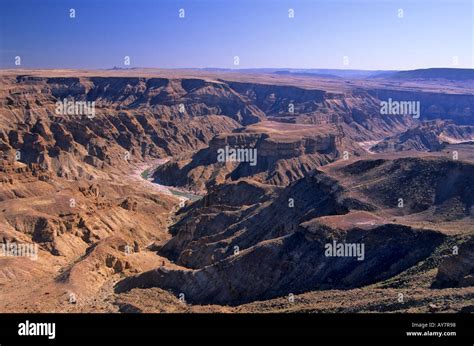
[[431, 33]]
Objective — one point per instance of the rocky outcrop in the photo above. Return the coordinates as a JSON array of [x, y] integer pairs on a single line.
[[429, 136], [279, 158], [440, 187], [211, 229], [457, 270], [295, 263]]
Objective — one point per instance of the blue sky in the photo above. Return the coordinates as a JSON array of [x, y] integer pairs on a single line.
[[213, 32]]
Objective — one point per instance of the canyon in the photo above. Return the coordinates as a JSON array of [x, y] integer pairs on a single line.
[[195, 234]]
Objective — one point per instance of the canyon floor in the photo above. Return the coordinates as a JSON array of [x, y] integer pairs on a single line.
[[132, 211]]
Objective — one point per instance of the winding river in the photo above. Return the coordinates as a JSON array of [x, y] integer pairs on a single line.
[[144, 173]]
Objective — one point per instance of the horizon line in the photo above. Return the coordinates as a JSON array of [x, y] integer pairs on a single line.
[[231, 68]]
